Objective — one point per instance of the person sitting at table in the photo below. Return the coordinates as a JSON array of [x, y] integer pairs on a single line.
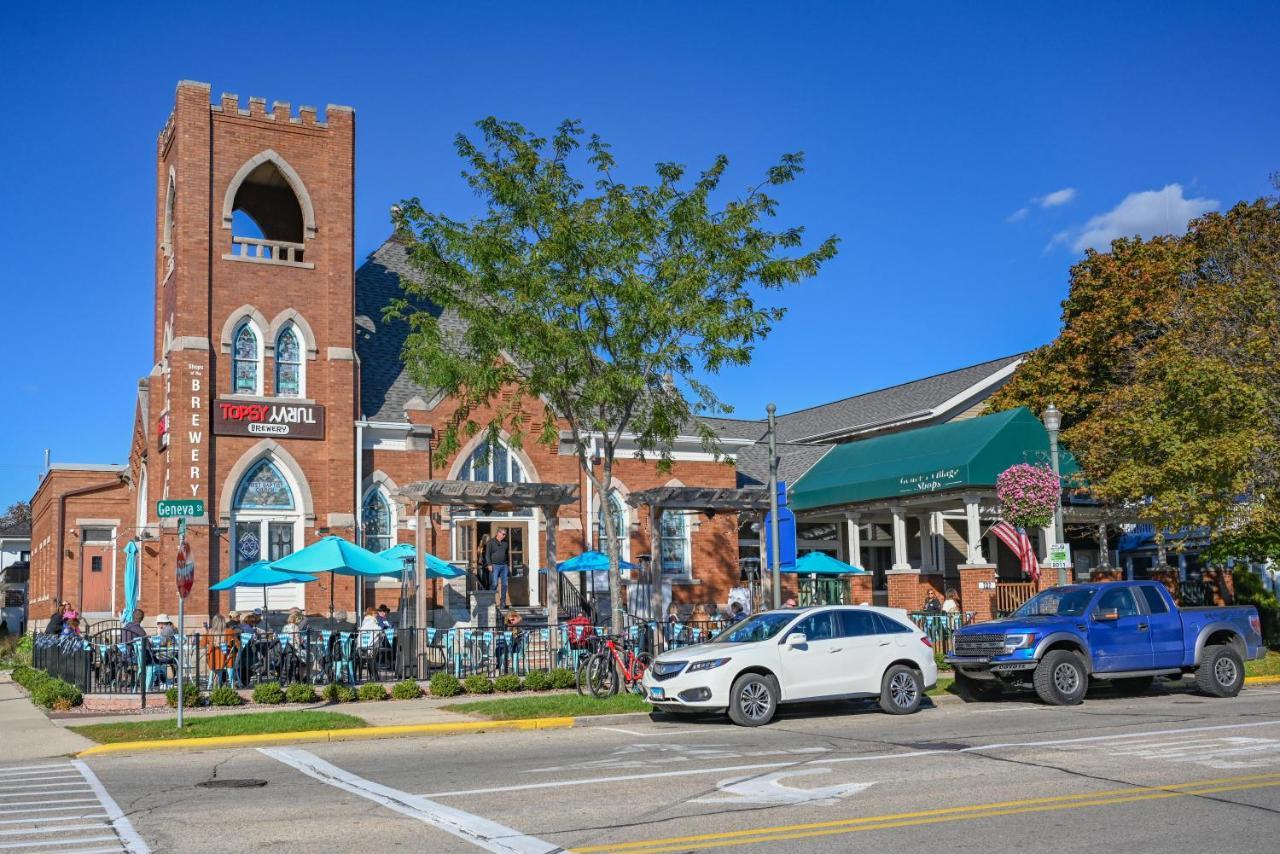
[[370, 630], [214, 632], [133, 629], [384, 617], [71, 628], [951, 605], [56, 620], [291, 633]]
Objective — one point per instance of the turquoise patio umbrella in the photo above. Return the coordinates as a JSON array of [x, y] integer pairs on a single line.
[[130, 580], [436, 568], [590, 561], [820, 563], [337, 556], [261, 574]]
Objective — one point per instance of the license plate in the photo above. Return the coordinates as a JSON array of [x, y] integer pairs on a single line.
[[658, 693]]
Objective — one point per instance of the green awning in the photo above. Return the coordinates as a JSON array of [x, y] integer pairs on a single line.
[[956, 455]]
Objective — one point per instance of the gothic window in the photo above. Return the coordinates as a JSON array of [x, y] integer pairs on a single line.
[[675, 543], [264, 488], [494, 463], [619, 511], [245, 361], [288, 364], [376, 518]]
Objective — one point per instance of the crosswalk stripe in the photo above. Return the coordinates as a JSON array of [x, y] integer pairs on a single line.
[[13, 768], [47, 843], [44, 818], [40, 830], [42, 803]]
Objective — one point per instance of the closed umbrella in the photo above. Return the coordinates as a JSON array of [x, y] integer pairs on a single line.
[[261, 574], [436, 568], [130, 580]]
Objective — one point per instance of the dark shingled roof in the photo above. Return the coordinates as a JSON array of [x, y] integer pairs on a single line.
[[793, 461], [385, 386], [16, 531], [885, 406]]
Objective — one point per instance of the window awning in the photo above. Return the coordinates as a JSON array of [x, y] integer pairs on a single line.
[[958, 455]]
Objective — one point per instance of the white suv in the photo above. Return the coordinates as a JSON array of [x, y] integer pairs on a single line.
[[792, 655]]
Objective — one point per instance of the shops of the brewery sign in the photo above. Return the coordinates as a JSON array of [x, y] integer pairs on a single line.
[[291, 420]]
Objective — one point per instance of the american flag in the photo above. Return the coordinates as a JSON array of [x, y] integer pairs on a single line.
[[1018, 541]]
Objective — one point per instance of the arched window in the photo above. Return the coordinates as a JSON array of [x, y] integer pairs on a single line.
[[493, 463], [245, 361], [266, 524], [288, 363], [675, 543], [619, 511], [375, 517]]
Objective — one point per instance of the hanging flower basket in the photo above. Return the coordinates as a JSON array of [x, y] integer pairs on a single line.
[[1028, 495]]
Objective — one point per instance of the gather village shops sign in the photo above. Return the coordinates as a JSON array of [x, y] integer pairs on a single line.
[[287, 420]]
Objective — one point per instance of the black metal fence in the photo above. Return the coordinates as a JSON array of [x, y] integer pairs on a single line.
[[114, 665]]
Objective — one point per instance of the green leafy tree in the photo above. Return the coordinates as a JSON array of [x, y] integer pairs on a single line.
[[604, 309], [1165, 370]]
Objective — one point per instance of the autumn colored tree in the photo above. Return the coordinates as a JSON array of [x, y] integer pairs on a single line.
[[1166, 373], [606, 307]]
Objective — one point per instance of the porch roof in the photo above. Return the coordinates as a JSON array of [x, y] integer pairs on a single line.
[[965, 454], [498, 496], [700, 498]]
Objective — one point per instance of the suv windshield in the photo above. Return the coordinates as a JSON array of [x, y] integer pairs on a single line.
[[761, 627], [1061, 602]]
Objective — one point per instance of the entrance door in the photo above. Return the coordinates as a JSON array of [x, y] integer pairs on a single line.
[[97, 569], [518, 585], [264, 539]]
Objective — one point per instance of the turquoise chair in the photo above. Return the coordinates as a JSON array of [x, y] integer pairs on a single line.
[[344, 662]]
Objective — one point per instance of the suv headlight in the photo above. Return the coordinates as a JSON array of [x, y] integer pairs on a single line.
[[709, 664], [1019, 641]]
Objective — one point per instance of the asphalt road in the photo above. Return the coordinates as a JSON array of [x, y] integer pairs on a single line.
[[1166, 772]]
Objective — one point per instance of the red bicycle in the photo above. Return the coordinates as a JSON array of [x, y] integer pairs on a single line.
[[612, 668]]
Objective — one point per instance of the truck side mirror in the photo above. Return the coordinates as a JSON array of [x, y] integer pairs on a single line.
[[1107, 615]]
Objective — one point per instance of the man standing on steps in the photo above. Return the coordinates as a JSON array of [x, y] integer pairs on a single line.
[[496, 557]]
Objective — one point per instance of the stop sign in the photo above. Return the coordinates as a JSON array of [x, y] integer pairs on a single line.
[[186, 570]]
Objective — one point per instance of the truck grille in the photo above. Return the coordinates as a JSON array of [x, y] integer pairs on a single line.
[[979, 644]]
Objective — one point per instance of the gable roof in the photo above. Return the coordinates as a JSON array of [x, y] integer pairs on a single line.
[[793, 462]]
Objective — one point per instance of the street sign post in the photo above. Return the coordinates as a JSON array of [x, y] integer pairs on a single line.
[[168, 508]]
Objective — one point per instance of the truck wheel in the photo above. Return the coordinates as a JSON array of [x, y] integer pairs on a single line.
[[900, 690], [1221, 671], [978, 690], [1136, 685], [753, 700], [1061, 679]]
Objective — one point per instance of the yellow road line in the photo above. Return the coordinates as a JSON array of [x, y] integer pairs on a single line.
[[326, 735], [938, 816]]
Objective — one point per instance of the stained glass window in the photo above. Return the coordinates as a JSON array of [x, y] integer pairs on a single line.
[[376, 518], [264, 488], [675, 543], [288, 364], [244, 361]]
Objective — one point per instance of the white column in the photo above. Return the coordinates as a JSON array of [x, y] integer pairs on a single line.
[[853, 523], [900, 539], [973, 526], [926, 542]]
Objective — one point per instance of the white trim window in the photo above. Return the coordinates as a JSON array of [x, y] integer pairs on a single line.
[[675, 544], [620, 524], [493, 463], [246, 360], [290, 381], [377, 519]]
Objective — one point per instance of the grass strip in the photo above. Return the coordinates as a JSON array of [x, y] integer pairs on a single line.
[[1269, 666], [218, 725], [551, 706]]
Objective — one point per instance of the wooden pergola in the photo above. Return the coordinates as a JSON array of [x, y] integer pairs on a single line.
[[548, 497], [701, 499]]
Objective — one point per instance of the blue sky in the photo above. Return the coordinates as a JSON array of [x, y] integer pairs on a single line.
[[964, 153]]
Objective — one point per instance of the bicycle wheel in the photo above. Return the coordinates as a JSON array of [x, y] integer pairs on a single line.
[[639, 667], [584, 687], [602, 676]]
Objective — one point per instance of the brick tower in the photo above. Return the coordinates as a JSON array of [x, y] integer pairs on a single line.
[[252, 395]]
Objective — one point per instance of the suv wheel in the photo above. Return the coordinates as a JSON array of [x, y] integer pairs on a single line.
[[753, 700], [1061, 679], [900, 690], [1221, 671]]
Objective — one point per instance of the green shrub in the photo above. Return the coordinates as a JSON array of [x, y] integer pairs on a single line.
[[406, 690], [563, 677], [56, 694], [477, 684], [537, 680], [268, 693], [372, 691], [190, 696], [300, 692], [445, 685], [225, 695], [507, 683], [1249, 591], [336, 692]]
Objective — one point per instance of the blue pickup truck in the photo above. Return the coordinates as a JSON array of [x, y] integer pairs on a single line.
[[1125, 633]]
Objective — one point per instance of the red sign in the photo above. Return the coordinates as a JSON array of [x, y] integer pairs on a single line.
[[186, 570], [287, 420]]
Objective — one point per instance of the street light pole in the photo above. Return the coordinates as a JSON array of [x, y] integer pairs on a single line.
[[775, 555], [1053, 423]]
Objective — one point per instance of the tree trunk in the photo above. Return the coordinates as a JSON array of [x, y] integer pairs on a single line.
[[616, 606], [552, 515]]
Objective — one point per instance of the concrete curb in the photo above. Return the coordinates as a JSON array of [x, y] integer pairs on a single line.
[[329, 735], [1262, 680]]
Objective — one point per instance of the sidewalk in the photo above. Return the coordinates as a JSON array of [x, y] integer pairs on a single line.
[[25, 731]]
